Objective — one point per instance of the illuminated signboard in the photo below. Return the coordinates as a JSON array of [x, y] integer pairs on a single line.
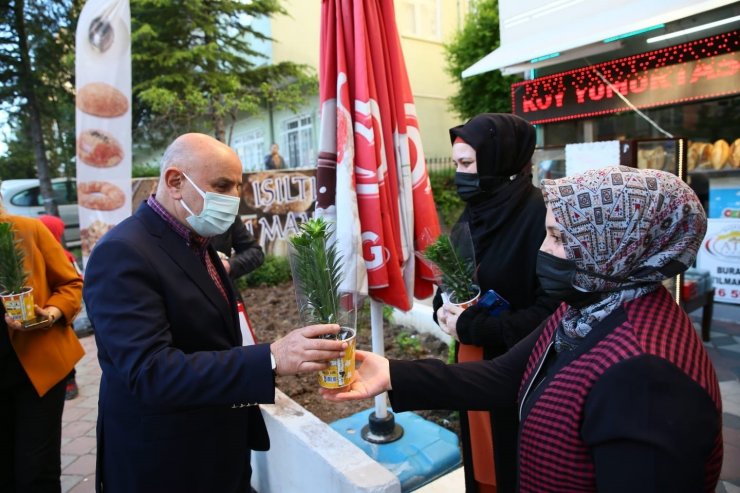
[[702, 69]]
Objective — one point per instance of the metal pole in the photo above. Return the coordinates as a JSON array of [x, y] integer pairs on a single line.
[[381, 426], [376, 324]]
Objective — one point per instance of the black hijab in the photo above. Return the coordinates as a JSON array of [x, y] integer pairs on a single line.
[[503, 145]]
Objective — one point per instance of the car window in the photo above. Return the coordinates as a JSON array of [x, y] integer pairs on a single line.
[[26, 198], [65, 192]]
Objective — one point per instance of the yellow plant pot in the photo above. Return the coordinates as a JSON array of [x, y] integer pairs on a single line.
[[341, 371], [19, 305]]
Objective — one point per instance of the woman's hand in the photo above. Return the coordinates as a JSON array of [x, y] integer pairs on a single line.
[[372, 377], [447, 316], [51, 314]]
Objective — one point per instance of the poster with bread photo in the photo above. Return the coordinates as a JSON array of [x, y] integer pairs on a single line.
[[103, 118]]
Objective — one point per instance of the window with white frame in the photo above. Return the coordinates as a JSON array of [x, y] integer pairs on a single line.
[[251, 149], [299, 141], [420, 18]]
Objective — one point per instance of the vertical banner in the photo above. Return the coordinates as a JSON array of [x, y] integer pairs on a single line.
[[103, 118]]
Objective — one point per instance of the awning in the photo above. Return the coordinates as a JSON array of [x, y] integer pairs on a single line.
[[579, 28]]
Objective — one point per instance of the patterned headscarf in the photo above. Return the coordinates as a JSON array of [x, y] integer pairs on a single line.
[[638, 227]]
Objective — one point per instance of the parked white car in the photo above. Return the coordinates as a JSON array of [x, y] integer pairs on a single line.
[[23, 198]]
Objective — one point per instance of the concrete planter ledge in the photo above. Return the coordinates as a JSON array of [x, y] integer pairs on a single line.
[[306, 455]]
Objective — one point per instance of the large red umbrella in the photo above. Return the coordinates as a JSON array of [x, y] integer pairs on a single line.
[[372, 178]]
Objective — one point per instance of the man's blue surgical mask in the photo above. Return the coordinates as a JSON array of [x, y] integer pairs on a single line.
[[218, 214]]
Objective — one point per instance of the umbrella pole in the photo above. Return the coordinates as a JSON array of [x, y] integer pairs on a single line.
[[382, 427]]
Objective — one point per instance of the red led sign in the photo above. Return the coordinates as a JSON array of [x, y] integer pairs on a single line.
[[702, 69]]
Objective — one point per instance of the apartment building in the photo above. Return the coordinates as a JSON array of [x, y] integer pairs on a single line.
[[424, 26]]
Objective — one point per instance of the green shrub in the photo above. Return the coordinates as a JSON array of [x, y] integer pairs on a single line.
[[275, 270], [409, 343], [449, 205], [144, 170]]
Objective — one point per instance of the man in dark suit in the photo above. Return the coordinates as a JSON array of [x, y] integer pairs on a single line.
[[179, 393]]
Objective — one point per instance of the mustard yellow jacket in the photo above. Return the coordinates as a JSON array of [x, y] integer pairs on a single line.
[[47, 355]]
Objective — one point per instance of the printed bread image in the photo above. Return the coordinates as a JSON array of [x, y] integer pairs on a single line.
[[100, 195], [734, 159], [91, 235], [99, 149], [101, 99], [720, 154]]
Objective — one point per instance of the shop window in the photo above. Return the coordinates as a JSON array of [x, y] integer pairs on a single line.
[[251, 149], [298, 136], [420, 18]]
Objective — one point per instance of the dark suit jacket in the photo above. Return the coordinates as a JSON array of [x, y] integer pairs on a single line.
[[175, 409]]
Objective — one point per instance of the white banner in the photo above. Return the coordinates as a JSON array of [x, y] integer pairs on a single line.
[[103, 118], [720, 255]]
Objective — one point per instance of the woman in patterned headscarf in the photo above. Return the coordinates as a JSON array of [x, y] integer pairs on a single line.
[[615, 391]]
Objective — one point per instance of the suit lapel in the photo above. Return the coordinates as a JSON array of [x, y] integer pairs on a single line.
[[175, 247]]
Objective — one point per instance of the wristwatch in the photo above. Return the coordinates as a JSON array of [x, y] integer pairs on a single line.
[[273, 363]]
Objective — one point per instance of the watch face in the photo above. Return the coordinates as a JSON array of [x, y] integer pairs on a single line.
[[273, 363]]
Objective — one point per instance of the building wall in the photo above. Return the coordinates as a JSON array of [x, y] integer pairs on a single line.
[[297, 37]]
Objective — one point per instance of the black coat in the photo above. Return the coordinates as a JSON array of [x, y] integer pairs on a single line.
[[244, 251], [506, 264]]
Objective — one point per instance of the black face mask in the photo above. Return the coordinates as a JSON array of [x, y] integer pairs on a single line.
[[468, 186], [556, 278]]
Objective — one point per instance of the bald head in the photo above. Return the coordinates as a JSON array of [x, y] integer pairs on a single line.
[[192, 150], [210, 164]]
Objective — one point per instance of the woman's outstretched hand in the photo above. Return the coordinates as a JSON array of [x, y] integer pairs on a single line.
[[372, 377]]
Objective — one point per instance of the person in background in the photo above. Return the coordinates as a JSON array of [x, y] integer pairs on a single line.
[[274, 160], [35, 364], [179, 393], [615, 390], [56, 226], [239, 251], [504, 213]]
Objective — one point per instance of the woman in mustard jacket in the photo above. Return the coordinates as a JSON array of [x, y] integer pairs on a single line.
[[34, 365]]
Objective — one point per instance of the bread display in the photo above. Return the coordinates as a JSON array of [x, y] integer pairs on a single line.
[[720, 153], [734, 158], [101, 99]]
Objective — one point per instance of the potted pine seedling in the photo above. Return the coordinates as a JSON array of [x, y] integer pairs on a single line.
[[17, 296], [317, 276], [452, 258]]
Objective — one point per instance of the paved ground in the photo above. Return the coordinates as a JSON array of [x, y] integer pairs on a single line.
[[78, 432]]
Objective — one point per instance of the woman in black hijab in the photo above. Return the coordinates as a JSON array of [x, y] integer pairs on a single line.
[[505, 213]]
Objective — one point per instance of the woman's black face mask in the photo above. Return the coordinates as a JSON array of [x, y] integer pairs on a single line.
[[556, 278], [468, 185]]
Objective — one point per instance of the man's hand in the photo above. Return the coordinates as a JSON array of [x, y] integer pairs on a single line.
[[372, 377], [300, 351]]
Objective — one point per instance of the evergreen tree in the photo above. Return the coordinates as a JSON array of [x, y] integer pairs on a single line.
[[484, 93], [36, 86], [195, 66]]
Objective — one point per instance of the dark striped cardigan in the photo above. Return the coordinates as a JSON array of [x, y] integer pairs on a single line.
[[553, 456]]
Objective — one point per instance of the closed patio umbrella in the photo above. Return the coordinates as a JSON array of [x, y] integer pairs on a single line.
[[372, 178]]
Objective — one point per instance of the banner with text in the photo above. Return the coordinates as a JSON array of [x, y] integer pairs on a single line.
[[720, 255], [702, 69], [275, 203]]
